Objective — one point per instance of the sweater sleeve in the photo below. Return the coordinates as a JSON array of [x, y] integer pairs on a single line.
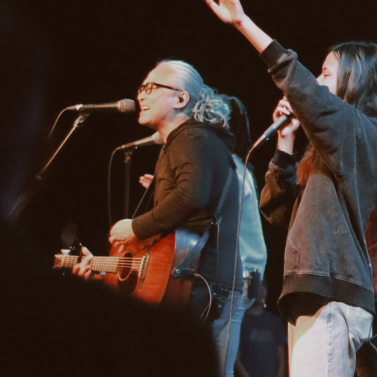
[[189, 157], [330, 123], [279, 193]]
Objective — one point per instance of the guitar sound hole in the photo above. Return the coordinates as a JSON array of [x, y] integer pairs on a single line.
[[125, 270], [127, 277], [128, 285]]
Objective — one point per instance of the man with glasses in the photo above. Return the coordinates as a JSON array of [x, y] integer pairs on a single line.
[[190, 177]]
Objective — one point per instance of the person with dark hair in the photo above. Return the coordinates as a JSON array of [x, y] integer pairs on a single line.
[[327, 295], [251, 245], [263, 344], [194, 173]]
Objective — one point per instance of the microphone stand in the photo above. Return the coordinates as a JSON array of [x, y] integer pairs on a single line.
[[31, 189], [127, 164]]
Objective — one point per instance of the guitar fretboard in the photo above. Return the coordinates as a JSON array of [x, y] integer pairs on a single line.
[[100, 264], [106, 264], [68, 261]]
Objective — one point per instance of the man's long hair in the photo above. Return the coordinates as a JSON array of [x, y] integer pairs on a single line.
[[356, 85], [205, 105]]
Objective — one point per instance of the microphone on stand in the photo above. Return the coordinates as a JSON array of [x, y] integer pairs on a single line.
[[151, 140], [275, 127], [126, 106]]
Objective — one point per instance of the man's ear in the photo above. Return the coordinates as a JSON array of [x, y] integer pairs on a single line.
[[181, 100]]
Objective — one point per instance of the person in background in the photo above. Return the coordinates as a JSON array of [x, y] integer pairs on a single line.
[[263, 343], [251, 243]]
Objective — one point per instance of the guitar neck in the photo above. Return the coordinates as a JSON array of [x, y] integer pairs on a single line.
[[105, 264], [97, 264], [68, 261]]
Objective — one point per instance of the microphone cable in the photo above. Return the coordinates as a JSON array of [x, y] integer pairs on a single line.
[[55, 123], [237, 250], [109, 211]]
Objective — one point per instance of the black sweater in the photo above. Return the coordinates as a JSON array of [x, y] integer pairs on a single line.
[[190, 175], [325, 252]]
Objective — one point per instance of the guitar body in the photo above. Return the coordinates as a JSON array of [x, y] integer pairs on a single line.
[[147, 275]]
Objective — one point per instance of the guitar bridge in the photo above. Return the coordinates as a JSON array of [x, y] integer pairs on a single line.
[[143, 268]]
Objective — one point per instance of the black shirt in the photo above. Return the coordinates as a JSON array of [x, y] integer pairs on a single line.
[[190, 176]]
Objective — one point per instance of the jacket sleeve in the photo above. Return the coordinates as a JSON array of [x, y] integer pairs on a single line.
[[331, 124], [190, 161], [279, 193]]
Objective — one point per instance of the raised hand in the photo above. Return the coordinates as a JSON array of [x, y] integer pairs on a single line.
[[229, 11]]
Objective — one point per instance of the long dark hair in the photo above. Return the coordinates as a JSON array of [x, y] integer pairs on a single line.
[[357, 75], [356, 85], [240, 127]]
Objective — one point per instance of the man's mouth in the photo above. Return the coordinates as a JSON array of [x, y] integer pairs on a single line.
[[144, 108]]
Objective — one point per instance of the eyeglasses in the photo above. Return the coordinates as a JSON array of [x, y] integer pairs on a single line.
[[149, 86]]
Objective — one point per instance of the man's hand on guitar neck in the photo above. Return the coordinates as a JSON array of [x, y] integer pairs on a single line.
[[83, 268]]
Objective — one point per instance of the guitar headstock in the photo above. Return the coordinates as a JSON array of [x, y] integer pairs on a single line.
[[65, 260], [68, 258]]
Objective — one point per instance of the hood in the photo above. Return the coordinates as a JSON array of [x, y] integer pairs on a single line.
[[222, 133]]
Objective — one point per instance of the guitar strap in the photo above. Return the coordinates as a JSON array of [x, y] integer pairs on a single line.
[[186, 268]]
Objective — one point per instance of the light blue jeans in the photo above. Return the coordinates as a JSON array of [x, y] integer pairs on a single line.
[[325, 344], [228, 353]]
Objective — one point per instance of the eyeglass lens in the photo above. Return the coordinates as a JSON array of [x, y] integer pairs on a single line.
[[147, 87]]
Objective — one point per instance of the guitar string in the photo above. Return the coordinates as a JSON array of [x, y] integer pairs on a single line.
[[67, 261], [105, 260], [73, 263]]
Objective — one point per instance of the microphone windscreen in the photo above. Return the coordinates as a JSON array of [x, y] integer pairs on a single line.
[[127, 106], [157, 138]]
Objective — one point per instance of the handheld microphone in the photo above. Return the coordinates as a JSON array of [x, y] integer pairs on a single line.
[[275, 127], [151, 140], [124, 106]]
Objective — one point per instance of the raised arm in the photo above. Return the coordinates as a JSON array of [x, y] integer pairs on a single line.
[[335, 128], [231, 12]]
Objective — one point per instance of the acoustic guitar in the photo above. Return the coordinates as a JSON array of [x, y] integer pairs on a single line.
[[146, 273]]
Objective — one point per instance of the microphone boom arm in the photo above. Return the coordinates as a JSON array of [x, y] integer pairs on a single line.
[[31, 189]]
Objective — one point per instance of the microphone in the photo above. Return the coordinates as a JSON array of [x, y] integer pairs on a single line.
[[124, 106], [275, 127], [151, 140]]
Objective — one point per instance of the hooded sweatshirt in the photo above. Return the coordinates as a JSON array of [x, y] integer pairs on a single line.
[[325, 254], [189, 179]]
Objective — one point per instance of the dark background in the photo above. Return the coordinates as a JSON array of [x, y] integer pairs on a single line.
[[60, 53]]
